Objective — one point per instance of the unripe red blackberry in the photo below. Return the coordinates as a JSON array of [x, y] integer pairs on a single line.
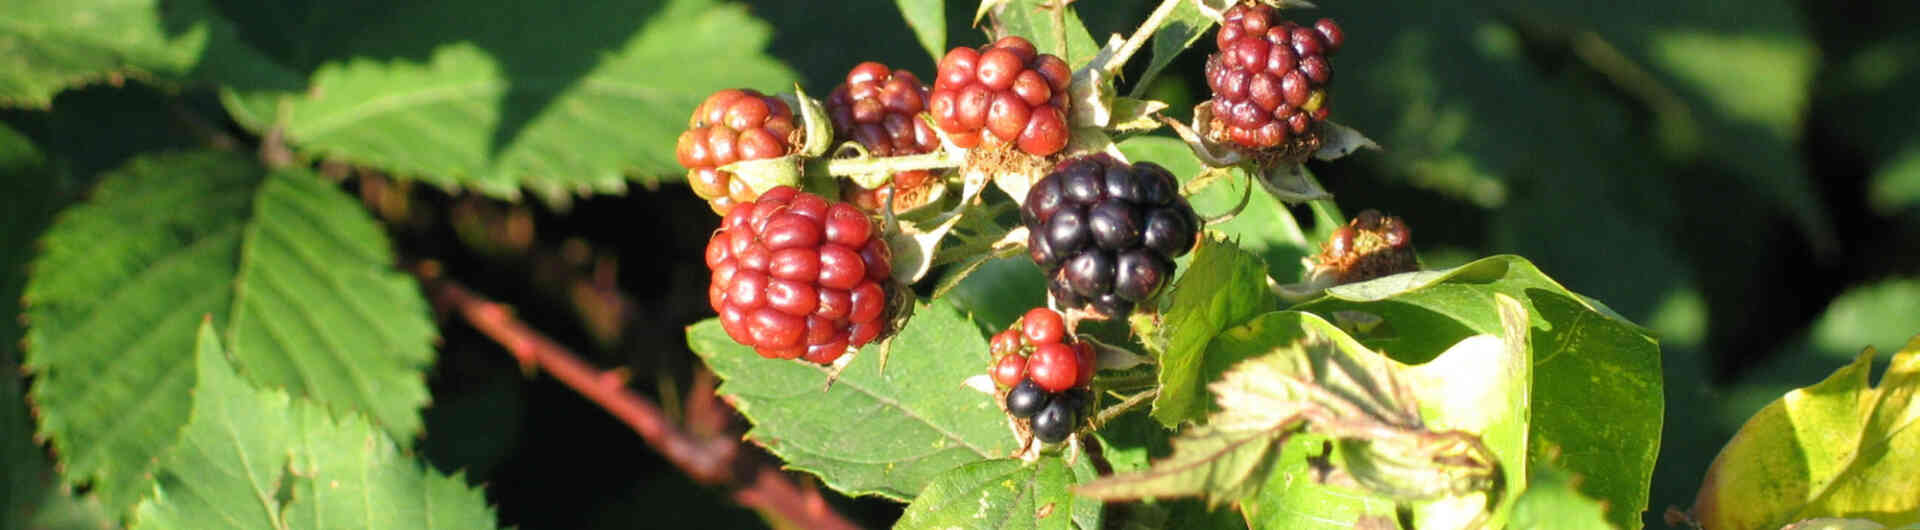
[[1369, 246], [1270, 77], [797, 277], [733, 125], [880, 108], [1106, 233], [1003, 93]]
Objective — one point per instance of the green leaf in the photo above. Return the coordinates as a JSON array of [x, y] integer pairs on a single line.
[[1001, 493], [1222, 287], [1285, 370], [1829, 450], [1478, 385], [870, 433], [1596, 398], [254, 458], [1178, 32], [1553, 501], [1034, 20], [929, 21], [292, 271], [600, 96], [55, 44], [1290, 498], [1265, 227]]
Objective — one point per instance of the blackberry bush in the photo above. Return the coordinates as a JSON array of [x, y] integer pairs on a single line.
[[733, 125], [1270, 76], [1106, 232], [1003, 93], [880, 108], [797, 277]]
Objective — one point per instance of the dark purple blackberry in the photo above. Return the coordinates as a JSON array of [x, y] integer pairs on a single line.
[[1270, 77], [1106, 232], [1026, 399], [1055, 422]]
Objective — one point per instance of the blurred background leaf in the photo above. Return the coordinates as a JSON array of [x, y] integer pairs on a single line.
[[499, 96]]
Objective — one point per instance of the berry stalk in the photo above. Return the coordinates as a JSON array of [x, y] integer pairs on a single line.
[[887, 166]]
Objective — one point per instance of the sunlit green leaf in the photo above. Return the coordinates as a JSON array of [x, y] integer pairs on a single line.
[[871, 433], [51, 45], [1035, 21], [284, 263], [1222, 287], [1596, 401], [1552, 501], [997, 494], [1834, 449], [253, 458]]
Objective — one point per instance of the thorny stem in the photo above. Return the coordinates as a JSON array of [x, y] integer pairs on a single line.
[[1132, 402], [1139, 37], [939, 159], [708, 460]]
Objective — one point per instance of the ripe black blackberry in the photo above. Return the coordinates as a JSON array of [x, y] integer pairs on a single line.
[[1106, 233], [1270, 77]]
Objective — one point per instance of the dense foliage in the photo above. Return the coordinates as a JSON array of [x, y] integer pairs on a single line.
[[237, 235]]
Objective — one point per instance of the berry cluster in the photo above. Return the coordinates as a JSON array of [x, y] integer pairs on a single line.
[[1046, 371], [1106, 233], [733, 125], [1369, 246], [1269, 78], [1005, 89], [879, 108], [797, 277]]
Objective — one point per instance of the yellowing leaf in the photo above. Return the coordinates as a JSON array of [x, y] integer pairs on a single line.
[[1310, 376], [1839, 448]]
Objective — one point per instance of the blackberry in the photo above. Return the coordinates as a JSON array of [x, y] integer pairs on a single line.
[[1270, 77], [880, 108], [1106, 233], [797, 277], [1026, 399], [1005, 92], [730, 126], [1056, 421]]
